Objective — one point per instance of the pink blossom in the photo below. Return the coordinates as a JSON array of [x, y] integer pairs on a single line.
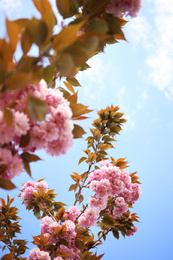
[[94, 185], [54, 98], [27, 193], [88, 218], [101, 190], [135, 229], [58, 258], [117, 212], [96, 175], [31, 187], [83, 221], [41, 185], [38, 137], [20, 123], [54, 135], [37, 254], [60, 146], [28, 184], [51, 131], [110, 180], [104, 163], [98, 203], [16, 166], [72, 213], [129, 233], [70, 228], [129, 7], [119, 201], [48, 225], [72, 250], [5, 156]]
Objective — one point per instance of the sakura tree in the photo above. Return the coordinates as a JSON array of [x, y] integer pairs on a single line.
[[36, 113]]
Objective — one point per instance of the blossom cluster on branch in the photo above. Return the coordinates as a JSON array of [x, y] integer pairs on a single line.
[[59, 232], [21, 134]]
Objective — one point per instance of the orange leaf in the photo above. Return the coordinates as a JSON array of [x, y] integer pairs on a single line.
[[63, 7], [8, 116], [6, 184], [78, 131], [18, 81], [13, 32], [67, 36], [8, 256], [78, 109], [69, 87]]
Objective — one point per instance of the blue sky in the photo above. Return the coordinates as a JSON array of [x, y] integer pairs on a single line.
[[138, 76]]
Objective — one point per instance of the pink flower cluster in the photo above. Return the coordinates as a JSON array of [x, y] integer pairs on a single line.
[[110, 180], [132, 231], [54, 135], [37, 254], [48, 229], [13, 163], [119, 7], [29, 188], [72, 213], [88, 218]]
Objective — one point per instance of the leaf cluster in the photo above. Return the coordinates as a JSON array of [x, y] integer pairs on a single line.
[[9, 228], [66, 51], [43, 203]]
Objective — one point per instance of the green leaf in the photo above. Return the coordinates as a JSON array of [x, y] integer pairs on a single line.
[[65, 65], [36, 108], [115, 233], [48, 73], [99, 26], [37, 212], [108, 221], [73, 81]]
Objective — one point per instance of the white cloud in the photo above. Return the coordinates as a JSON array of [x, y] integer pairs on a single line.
[[154, 31], [138, 31], [98, 77], [10, 5]]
